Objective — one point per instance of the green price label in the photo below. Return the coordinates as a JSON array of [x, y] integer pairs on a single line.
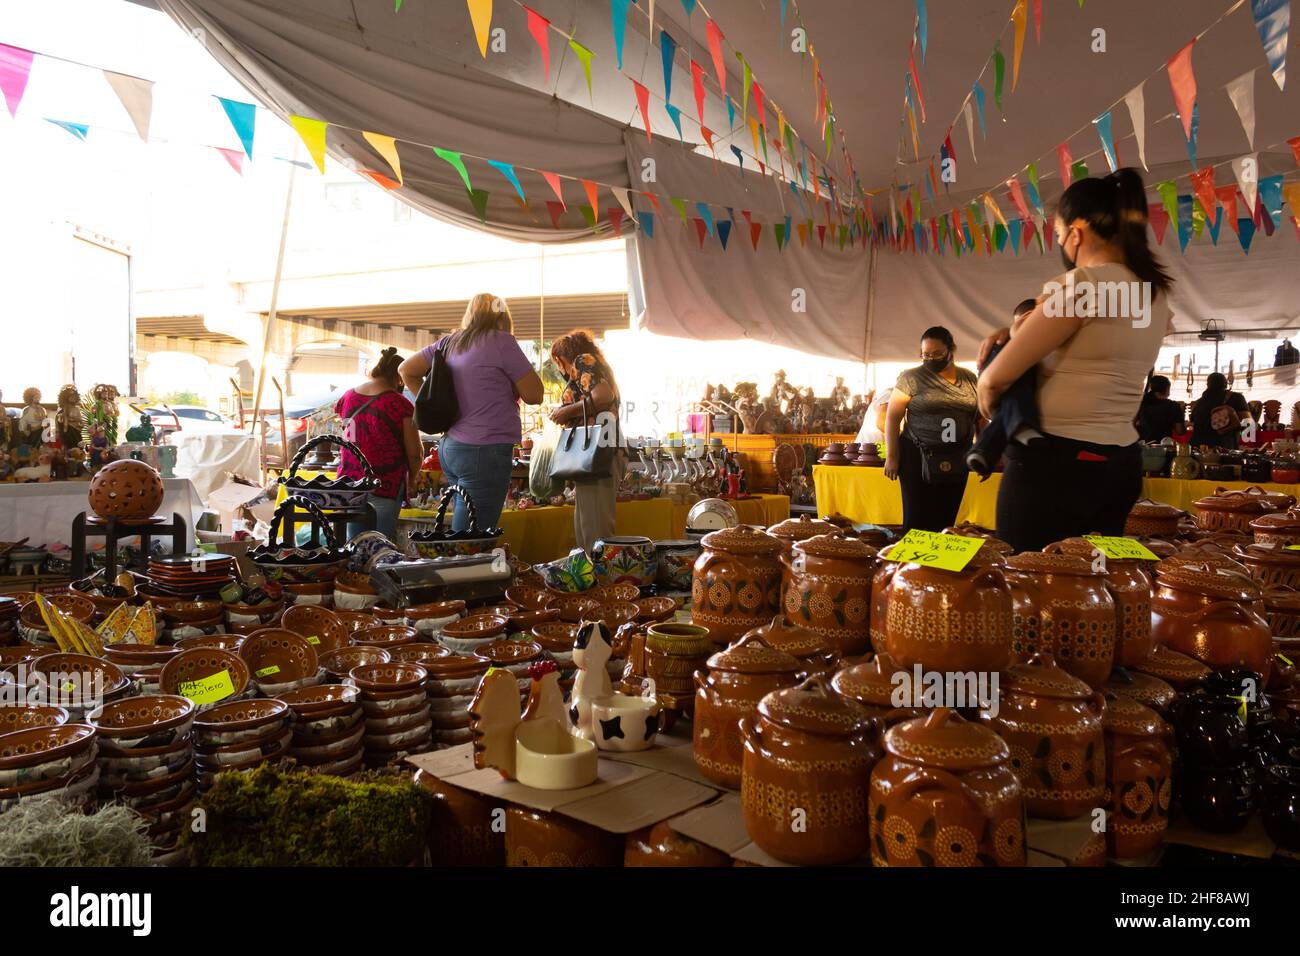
[[948, 552], [1121, 549], [210, 689], [268, 671], [313, 639]]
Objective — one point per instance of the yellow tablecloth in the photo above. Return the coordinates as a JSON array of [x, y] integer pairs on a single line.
[[865, 495]]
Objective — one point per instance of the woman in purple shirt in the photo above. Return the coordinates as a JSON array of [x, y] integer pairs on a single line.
[[491, 374]]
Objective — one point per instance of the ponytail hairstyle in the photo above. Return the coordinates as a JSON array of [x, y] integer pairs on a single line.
[[385, 369], [1115, 208], [1156, 385]]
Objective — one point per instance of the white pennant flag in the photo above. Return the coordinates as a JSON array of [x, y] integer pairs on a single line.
[[1246, 169], [1242, 93], [137, 96], [624, 200], [970, 129], [1137, 110]]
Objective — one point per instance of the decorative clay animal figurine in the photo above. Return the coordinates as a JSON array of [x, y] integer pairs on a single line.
[[545, 697], [493, 716], [591, 653]]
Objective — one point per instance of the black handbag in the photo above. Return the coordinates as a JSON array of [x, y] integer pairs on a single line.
[[582, 453], [436, 407], [942, 467]]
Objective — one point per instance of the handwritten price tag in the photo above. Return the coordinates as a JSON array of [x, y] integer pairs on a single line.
[[268, 671], [1121, 549], [210, 689], [948, 552]]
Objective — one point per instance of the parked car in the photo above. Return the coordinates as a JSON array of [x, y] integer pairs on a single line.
[[301, 413], [190, 419]]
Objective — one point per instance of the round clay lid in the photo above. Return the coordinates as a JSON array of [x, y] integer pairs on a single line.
[[1041, 676], [1254, 499], [1126, 716], [1146, 508], [1083, 548], [943, 738], [1278, 521], [836, 546], [813, 707], [1282, 599], [510, 652], [801, 528], [870, 682], [1146, 689], [1215, 583], [1200, 561], [753, 655], [1271, 553], [1170, 665], [1036, 562], [791, 638], [741, 539], [975, 531]]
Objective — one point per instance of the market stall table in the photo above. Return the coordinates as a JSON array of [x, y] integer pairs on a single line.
[[866, 495], [42, 512]]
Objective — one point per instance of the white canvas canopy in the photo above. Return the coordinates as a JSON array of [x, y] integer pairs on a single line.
[[418, 75]]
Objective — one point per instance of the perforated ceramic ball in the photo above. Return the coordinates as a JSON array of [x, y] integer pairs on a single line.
[[126, 489]]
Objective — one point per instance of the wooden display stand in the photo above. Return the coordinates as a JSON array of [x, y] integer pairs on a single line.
[[758, 449], [114, 530]]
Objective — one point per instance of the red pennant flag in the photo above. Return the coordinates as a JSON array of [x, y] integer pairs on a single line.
[[615, 214], [701, 230], [1227, 198], [1294, 143], [715, 51], [916, 79], [708, 136], [749, 218], [1159, 221], [1183, 82], [555, 209], [1031, 230], [1063, 154], [1049, 236], [540, 28], [1203, 187], [697, 78], [554, 182], [947, 144], [988, 240], [1017, 197], [654, 201], [643, 101], [934, 232], [592, 197], [755, 228], [758, 103], [821, 236], [1038, 21], [235, 157]]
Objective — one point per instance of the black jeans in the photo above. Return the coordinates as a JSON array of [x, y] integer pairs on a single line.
[[925, 507], [1056, 488]]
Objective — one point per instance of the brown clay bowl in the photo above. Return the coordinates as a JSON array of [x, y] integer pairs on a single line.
[[392, 676], [435, 610], [575, 607], [243, 630], [70, 667], [503, 653], [476, 627], [615, 615], [388, 615], [140, 655], [77, 606], [354, 620], [141, 716], [652, 610], [314, 621], [22, 654], [225, 642], [355, 582], [338, 664], [279, 656], [104, 606], [385, 636], [38, 745], [525, 621], [193, 612], [200, 662], [555, 636], [420, 653], [23, 716], [611, 593], [237, 715], [323, 700], [530, 598], [265, 613]]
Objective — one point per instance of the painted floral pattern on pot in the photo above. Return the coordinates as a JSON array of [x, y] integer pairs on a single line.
[[826, 588], [625, 560], [1139, 785], [736, 584]]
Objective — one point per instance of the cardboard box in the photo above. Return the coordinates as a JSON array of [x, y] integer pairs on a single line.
[[230, 497]]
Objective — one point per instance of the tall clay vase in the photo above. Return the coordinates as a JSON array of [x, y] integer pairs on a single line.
[[1138, 779]]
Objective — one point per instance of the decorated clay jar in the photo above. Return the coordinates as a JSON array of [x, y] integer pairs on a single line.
[[1270, 564], [804, 776], [1215, 618], [1138, 779], [945, 795], [880, 583], [462, 831], [1129, 584], [1177, 670], [793, 530], [1235, 510], [1146, 690], [990, 539], [827, 589], [661, 845], [127, 489], [737, 679], [673, 653], [950, 621], [1280, 528], [815, 653], [625, 560], [674, 560], [536, 838], [1282, 611], [736, 583], [1152, 518], [1063, 608], [872, 684], [1051, 720]]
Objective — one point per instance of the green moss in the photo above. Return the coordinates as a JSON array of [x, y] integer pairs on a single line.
[[274, 817]]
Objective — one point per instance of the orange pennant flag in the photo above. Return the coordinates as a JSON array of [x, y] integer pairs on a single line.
[[591, 189], [380, 178], [480, 14], [1018, 16], [554, 182]]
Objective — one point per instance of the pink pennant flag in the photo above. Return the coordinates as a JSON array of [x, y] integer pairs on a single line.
[[540, 28], [235, 157], [758, 103], [15, 67], [1017, 197], [697, 78], [643, 102], [554, 182], [1183, 83], [715, 51], [1063, 154]]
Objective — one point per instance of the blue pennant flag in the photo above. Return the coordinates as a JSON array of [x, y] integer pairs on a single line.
[[688, 6], [1184, 222], [706, 214], [667, 50], [740, 157], [979, 102], [922, 27], [676, 116], [78, 130], [618, 10], [1245, 233], [1270, 197], [1273, 21], [1107, 135], [508, 172], [724, 232], [1215, 226], [1015, 226], [648, 224], [243, 117], [731, 113], [1191, 140]]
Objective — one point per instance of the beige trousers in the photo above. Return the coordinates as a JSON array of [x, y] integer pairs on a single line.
[[594, 501]]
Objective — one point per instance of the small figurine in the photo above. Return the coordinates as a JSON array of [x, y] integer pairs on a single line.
[[839, 395], [545, 697], [31, 424], [142, 433], [69, 419], [591, 654], [493, 716], [37, 472], [76, 462], [98, 447]]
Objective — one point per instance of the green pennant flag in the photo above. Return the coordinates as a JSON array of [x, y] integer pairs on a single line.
[[999, 236], [979, 213], [779, 229], [1168, 192], [585, 55], [588, 214], [397, 5], [1078, 171], [457, 163], [747, 81], [830, 134], [999, 73], [479, 197], [844, 235], [1198, 218], [680, 206]]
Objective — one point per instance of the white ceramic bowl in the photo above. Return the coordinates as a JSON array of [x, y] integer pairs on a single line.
[[625, 723], [548, 757]]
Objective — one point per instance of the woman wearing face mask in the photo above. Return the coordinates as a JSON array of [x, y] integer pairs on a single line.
[[928, 429], [1093, 337]]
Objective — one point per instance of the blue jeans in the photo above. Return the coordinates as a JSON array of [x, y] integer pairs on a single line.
[[386, 510], [484, 472]]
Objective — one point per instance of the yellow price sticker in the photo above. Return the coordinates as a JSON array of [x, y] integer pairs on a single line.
[[1121, 549], [1293, 547], [313, 639], [948, 552], [268, 671], [210, 689], [1285, 659]]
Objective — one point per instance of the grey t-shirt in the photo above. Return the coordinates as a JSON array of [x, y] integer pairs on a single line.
[[935, 402]]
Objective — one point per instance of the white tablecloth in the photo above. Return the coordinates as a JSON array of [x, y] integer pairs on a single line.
[[43, 512]]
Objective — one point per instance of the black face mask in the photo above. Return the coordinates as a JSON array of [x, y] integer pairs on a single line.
[[936, 365], [1065, 259]]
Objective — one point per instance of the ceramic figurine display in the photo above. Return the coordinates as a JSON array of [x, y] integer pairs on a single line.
[[31, 423], [591, 654], [143, 433], [494, 714], [70, 419], [545, 696]]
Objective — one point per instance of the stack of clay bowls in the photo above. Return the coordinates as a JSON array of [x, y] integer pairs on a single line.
[[10, 611], [466, 636], [338, 664], [133, 659], [556, 638], [352, 592], [516, 657], [396, 710], [385, 636], [146, 760], [430, 619], [208, 665], [320, 626], [352, 621], [22, 716], [328, 728], [76, 682], [192, 618], [280, 660], [56, 759], [452, 683], [240, 735]]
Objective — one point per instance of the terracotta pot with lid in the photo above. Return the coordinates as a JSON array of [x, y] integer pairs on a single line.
[[462, 822], [1177, 670], [950, 621], [736, 582], [661, 845], [1235, 510], [737, 679], [1213, 617], [826, 587], [1051, 720], [1154, 518], [1280, 528], [1129, 584], [1282, 611], [1138, 778], [871, 684], [793, 530], [1146, 690], [814, 652], [1271, 564], [808, 757], [1063, 607], [945, 795], [968, 530]]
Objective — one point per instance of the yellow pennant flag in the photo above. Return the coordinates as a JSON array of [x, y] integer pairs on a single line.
[[480, 13], [1018, 18], [312, 132], [992, 205], [911, 121], [386, 146], [753, 129]]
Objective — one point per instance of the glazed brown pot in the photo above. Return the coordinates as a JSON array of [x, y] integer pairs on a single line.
[[1270, 564], [793, 530], [661, 845], [1282, 611], [1063, 608], [1129, 584], [804, 775], [736, 582], [1235, 510], [1215, 618], [1177, 670], [737, 679], [1143, 688], [880, 584], [1138, 779], [534, 838], [1051, 720], [460, 828], [871, 685], [815, 654], [968, 530], [1152, 518], [950, 621], [1280, 528], [945, 795], [826, 587], [673, 653]]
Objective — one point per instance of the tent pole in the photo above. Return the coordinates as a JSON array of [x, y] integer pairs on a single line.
[[270, 316], [871, 319]]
